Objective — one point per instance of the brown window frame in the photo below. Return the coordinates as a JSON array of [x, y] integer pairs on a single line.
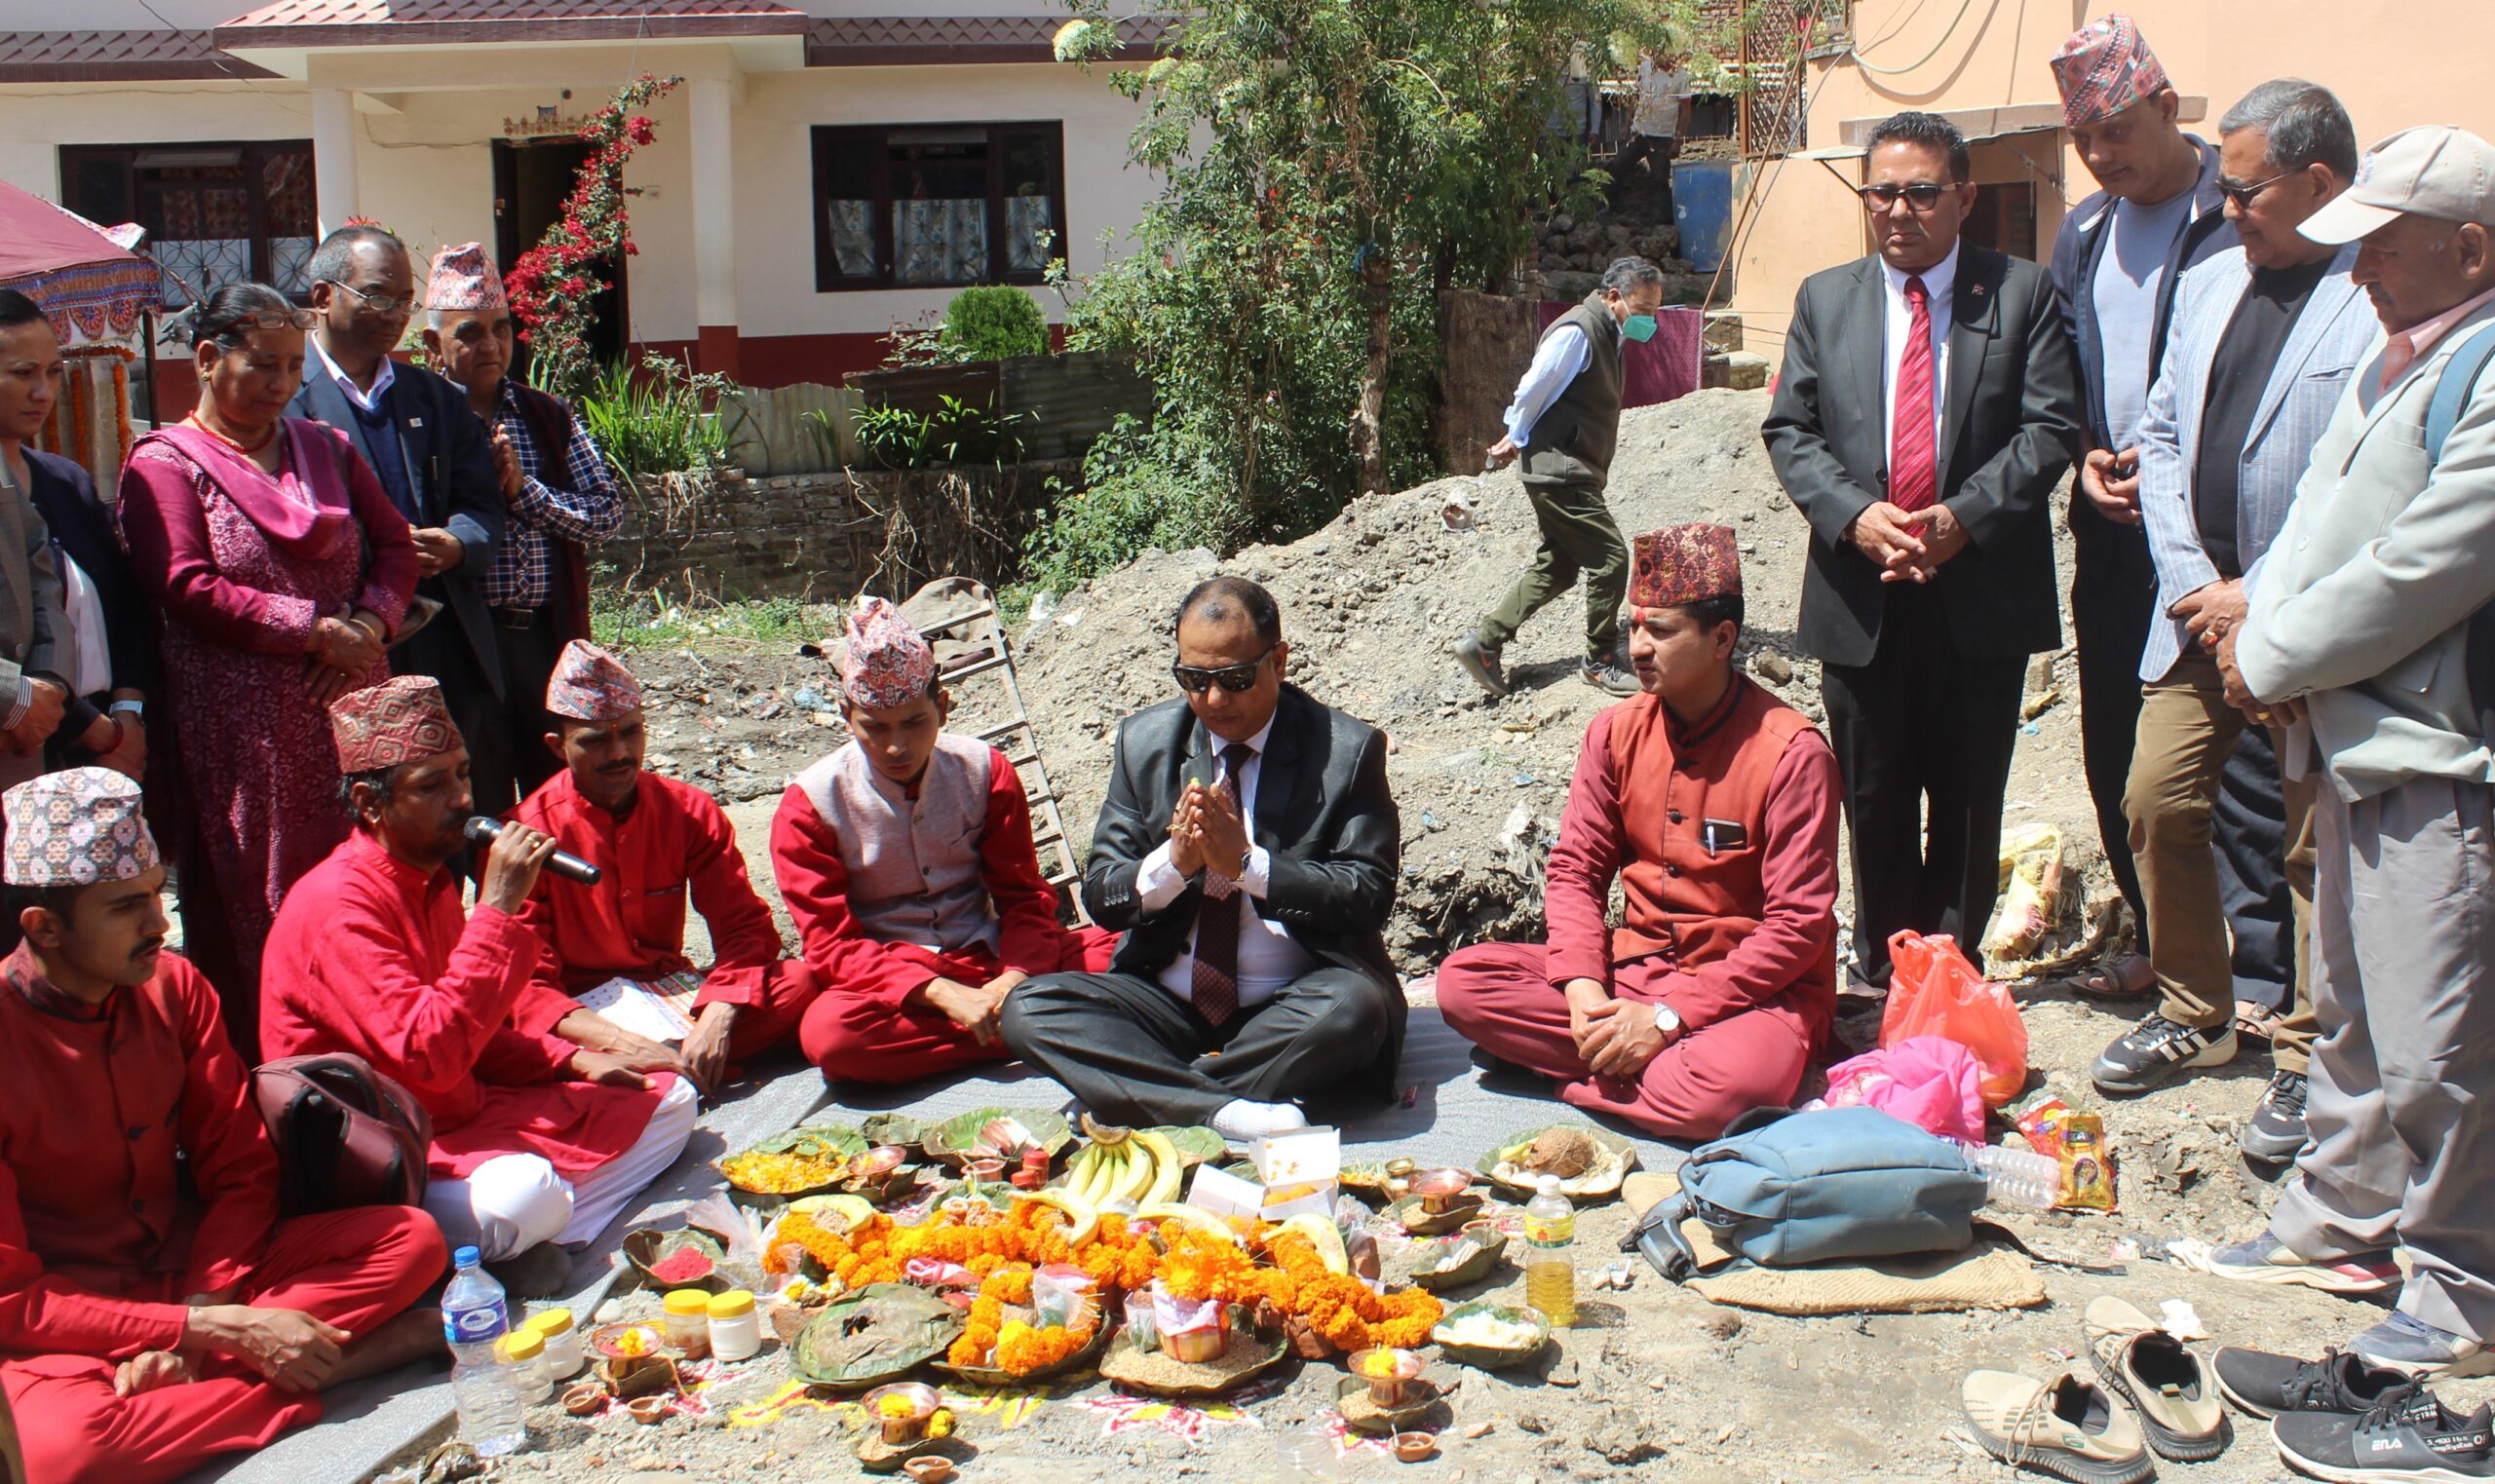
[[876, 140], [251, 156]]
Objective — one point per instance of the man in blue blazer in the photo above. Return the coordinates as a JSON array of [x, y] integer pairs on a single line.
[[2260, 345], [429, 449]]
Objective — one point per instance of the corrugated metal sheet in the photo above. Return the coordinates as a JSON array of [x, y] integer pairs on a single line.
[[769, 431]]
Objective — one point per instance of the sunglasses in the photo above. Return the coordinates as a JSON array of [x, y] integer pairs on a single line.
[[1236, 679], [2242, 194], [1920, 197], [378, 303]]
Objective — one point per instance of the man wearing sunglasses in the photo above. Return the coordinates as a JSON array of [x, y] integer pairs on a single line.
[[1246, 853], [430, 452], [1924, 415]]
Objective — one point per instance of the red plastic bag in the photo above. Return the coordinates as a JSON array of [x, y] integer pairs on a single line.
[[1934, 991]]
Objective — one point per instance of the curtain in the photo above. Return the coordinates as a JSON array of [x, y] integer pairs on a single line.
[[1027, 225], [941, 242], [853, 237]]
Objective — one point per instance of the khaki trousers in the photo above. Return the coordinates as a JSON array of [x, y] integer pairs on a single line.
[[2186, 732], [2403, 1110]]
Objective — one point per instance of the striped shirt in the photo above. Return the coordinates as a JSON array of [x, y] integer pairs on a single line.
[[589, 511]]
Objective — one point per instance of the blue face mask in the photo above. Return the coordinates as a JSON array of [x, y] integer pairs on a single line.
[[1638, 328]]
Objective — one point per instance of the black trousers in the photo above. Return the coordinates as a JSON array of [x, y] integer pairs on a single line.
[[1923, 737], [1133, 1052], [507, 756], [2250, 827], [2113, 600]]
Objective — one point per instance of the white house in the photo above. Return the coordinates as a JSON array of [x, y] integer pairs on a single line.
[[828, 169]]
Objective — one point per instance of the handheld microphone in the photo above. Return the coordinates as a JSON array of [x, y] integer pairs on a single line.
[[562, 863]]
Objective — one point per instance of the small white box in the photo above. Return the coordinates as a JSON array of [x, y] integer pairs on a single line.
[[1224, 1193], [1302, 1156]]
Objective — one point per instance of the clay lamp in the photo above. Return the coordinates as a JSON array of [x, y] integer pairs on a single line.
[[647, 1410], [586, 1399], [902, 1412], [935, 1468], [1441, 1189], [1389, 1372], [1415, 1447], [984, 1169]]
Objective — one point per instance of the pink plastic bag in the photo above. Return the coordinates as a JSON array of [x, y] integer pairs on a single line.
[[1927, 1081], [1934, 991]]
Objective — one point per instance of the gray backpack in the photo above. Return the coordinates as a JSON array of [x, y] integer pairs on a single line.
[[1833, 1184]]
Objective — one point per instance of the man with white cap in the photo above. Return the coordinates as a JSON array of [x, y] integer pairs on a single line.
[[2357, 636]]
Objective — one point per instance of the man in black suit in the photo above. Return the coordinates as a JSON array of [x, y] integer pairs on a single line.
[[431, 453], [1924, 415], [1250, 973]]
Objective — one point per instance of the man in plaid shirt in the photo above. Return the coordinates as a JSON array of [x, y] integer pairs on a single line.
[[538, 586]]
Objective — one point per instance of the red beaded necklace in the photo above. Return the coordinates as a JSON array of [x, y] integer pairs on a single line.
[[249, 451]]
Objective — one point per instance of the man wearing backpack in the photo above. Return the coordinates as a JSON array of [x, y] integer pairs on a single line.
[[2357, 637]]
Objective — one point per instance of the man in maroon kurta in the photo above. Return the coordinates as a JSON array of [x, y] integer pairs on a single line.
[[535, 1140], [656, 841], [1715, 807], [906, 862], [155, 1310]]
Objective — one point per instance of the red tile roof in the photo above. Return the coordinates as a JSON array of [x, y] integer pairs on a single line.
[[349, 22], [885, 41], [119, 56]]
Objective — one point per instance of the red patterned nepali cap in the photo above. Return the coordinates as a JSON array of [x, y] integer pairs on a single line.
[[402, 721], [76, 827], [1683, 564], [2104, 68], [591, 684], [884, 663], [464, 278]]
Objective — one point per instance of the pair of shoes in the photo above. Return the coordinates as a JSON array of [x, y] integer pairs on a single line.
[[2265, 1259], [2063, 1426], [2143, 1362], [1607, 673], [2407, 1434], [2407, 1342], [2265, 1385], [2152, 1052], [1482, 662], [2276, 1130]]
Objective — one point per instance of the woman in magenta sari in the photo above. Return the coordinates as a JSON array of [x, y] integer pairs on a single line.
[[280, 571]]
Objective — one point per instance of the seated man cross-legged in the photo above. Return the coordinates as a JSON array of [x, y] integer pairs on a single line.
[[907, 861], [657, 843], [535, 1140], [155, 1309], [1248, 850], [1714, 805]]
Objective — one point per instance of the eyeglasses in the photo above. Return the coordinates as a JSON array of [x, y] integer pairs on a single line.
[[1922, 197], [1236, 679], [2241, 195], [274, 319], [378, 303]]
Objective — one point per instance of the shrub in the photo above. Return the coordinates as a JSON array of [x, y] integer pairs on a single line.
[[995, 321], [1136, 501], [652, 422]]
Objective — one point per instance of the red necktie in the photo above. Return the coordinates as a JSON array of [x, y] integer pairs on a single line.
[[1216, 973], [1914, 481]]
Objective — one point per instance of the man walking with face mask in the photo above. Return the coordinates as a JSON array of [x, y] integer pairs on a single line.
[[1565, 421]]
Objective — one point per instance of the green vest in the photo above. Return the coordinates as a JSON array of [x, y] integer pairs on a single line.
[[1573, 439]]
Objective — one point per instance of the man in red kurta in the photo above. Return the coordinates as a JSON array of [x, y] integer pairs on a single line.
[[1715, 807], [155, 1310], [905, 859], [535, 1140], [656, 841]]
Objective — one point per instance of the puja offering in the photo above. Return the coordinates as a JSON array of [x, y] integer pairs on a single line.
[[1141, 1166], [882, 1160], [685, 1256], [932, 1469], [1589, 1162], [1467, 1257], [647, 1410], [986, 1168], [1415, 1447], [1003, 1134], [585, 1398], [633, 1340], [688, 1322], [1491, 1336], [807, 1161], [1441, 1189], [1389, 1373], [902, 1412]]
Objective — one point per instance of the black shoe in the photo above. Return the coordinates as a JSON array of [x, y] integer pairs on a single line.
[[1482, 662], [543, 1272], [2266, 1385], [2408, 1436], [1607, 673], [2150, 1053], [1497, 1069], [2275, 1130]]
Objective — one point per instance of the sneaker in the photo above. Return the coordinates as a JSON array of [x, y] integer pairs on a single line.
[[1607, 673], [1482, 662], [2276, 1130], [2266, 1260], [2407, 1342], [2064, 1427], [2150, 1053], [2166, 1384], [543, 1272], [2266, 1385], [2408, 1436]]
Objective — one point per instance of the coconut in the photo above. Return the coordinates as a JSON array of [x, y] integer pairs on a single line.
[[1564, 1151]]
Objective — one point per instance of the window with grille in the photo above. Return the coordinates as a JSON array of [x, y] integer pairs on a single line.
[[215, 214], [938, 205]]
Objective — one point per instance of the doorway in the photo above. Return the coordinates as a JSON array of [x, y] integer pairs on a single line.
[[532, 178]]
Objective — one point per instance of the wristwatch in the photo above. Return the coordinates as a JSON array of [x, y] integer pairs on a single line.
[[137, 710], [1666, 1021]]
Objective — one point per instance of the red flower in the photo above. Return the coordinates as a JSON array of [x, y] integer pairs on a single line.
[[642, 130]]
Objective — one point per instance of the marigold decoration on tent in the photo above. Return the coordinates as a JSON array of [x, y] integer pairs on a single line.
[[551, 285]]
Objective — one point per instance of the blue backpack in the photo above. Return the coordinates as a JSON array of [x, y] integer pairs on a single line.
[[2451, 396]]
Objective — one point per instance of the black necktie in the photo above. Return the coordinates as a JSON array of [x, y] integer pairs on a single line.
[[1216, 978]]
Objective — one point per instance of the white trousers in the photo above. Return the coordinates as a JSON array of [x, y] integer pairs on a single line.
[[512, 1202]]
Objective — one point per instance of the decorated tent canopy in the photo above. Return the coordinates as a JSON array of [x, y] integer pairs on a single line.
[[90, 285]]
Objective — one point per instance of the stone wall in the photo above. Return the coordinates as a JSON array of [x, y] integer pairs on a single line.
[[822, 537]]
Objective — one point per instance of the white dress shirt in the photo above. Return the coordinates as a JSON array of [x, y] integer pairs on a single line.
[[1562, 357], [370, 401], [1268, 956], [1940, 282]]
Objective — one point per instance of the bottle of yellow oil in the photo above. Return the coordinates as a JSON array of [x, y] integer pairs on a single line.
[[1549, 1269]]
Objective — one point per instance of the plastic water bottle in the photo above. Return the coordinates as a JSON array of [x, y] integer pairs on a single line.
[[1550, 1271], [2019, 1177], [474, 1318]]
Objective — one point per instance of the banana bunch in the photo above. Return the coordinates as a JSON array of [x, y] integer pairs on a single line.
[[1139, 1166]]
